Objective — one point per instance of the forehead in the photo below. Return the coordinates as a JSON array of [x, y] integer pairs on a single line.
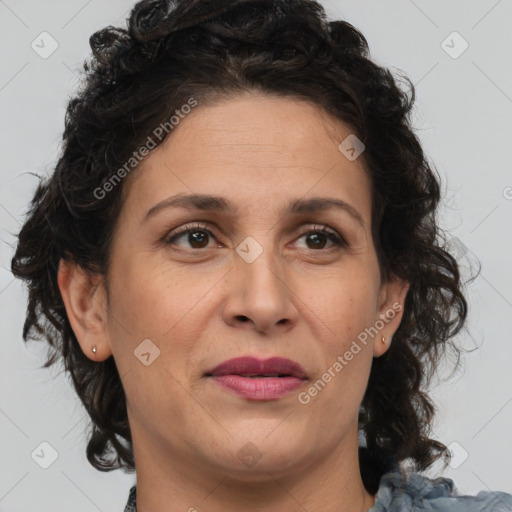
[[253, 149]]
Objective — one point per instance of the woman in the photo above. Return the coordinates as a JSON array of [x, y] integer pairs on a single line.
[[237, 259]]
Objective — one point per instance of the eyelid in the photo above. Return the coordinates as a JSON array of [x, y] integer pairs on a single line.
[[339, 241], [200, 226]]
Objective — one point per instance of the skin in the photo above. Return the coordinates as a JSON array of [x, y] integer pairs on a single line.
[[303, 298]]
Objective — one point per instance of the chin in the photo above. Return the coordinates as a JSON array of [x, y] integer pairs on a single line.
[[253, 457], [267, 468]]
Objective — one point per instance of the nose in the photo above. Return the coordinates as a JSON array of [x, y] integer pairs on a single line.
[[260, 296]]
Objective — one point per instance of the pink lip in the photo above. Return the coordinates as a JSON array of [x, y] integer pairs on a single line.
[[233, 375]]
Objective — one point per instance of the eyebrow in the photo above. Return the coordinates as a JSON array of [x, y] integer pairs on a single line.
[[207, 202]]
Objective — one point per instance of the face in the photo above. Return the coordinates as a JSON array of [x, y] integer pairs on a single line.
[[274, 275]]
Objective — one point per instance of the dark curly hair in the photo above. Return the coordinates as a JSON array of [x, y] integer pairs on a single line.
[[173, 50]]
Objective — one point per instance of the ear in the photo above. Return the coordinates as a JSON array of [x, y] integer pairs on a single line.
[[390, 312], [85, 300]]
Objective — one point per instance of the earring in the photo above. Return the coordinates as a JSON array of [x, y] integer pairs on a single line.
[[94, 349], [383, 339]]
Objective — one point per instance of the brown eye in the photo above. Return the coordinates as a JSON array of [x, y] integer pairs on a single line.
[[197, 237], [318, 238]]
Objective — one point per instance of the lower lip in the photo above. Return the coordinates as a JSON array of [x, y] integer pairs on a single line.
[[259, 388]]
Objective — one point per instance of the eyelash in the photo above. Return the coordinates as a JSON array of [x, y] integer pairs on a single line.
[[337, 240]]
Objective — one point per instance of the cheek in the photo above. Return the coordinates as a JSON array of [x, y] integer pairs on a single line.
[[164, 303], [347, 302], [160, 304], [346, 307], [154, 298]]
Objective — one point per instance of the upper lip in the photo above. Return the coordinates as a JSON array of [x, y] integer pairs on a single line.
[[253, 366]]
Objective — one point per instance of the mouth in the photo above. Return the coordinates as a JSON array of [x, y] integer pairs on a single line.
[[253, 367], [262, 376], [257, 379]]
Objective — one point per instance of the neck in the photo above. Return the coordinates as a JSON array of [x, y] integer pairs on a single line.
[[175, 482]]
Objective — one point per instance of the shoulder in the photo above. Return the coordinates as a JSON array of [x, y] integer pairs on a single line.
[[416, 493]]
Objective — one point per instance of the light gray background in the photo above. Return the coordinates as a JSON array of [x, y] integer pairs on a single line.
[[463, 116]]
